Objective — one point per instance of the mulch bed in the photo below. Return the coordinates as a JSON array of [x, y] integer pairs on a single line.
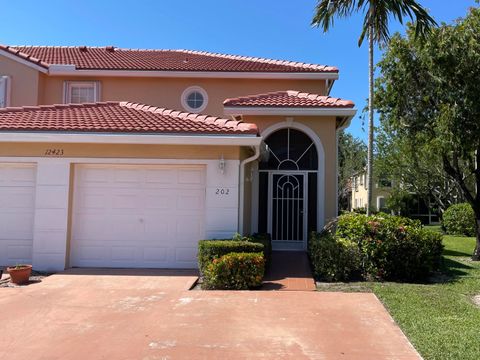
[[35, 277]]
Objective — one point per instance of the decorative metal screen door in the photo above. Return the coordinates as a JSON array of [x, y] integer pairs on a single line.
[[284, 196], [287, 210]]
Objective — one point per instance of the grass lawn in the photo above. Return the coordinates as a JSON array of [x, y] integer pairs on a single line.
[[440, 319]]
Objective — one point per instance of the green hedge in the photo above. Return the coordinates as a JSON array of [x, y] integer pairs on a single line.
[[459, 219], [333, 258], [213, 249], [390, 248], [234, 271], [266, 241]]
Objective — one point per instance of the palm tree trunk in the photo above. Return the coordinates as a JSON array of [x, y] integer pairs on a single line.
[[370, 122]]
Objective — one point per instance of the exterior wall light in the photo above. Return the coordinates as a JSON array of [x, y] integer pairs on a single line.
[[222, 165]]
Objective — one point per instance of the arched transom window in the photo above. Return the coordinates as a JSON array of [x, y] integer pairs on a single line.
[[290, 149]]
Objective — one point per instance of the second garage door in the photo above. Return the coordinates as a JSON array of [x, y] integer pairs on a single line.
[[17, 209], [137, 216]]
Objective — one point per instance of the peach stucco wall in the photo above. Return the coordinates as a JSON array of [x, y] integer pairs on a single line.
[[167, 92], [24, 82], [121, 151]]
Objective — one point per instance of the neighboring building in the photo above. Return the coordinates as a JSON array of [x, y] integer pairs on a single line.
[[415, 207], [104, 181], [380, 192]]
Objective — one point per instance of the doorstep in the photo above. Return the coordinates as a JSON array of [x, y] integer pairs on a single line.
[[289, 271]]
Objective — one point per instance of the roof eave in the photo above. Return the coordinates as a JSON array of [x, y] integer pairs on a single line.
[[128, 138], [70, 70], [289, 111], [24, 61]]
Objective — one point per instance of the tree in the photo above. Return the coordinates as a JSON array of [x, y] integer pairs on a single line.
[[427, 95], [352, 156], [375, 27], [416, 169]]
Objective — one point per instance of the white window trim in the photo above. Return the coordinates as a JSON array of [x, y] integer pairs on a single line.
[[379, 198], [189, 90], [8, 81], [68, 84]]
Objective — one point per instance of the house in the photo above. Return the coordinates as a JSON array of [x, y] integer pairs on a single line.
[[107, 158], [380, 192], [414, 206]]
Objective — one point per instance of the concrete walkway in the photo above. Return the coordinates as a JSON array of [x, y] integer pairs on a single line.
[[289, 271], [128, 314]]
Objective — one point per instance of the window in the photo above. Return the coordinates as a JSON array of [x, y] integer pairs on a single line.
[[78, 92], [4, 91], [381, 204], [194, 99], [384, 183]]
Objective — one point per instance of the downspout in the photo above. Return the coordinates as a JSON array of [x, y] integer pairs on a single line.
[[242, 186]]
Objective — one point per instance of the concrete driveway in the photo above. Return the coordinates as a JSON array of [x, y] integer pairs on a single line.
[[129, 314]]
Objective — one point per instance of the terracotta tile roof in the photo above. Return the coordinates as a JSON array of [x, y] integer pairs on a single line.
[[111, 58], [117, 117], [288, 99]]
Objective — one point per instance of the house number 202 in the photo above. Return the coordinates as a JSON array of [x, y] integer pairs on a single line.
[[221, 191]]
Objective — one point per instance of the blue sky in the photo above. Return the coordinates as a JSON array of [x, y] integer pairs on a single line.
[[278, 29]]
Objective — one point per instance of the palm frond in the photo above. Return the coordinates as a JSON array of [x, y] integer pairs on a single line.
[[377, 14]]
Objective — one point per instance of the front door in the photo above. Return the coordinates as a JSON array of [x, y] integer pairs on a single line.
[[287, 210], [287, 189]]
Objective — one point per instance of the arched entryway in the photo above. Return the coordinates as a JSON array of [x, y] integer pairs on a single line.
[[288, 188]]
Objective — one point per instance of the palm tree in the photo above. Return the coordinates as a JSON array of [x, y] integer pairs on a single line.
[[375, 27]]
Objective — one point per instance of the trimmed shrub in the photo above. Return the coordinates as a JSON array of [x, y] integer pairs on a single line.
[[266, 240], [459, 219], [234, 271], [212, 249], [391, 247], [333, 258]]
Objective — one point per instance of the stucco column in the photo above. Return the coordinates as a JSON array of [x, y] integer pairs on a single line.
[[51, 215], [221, 204]]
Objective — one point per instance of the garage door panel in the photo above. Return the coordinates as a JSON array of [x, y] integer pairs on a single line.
[[155, 226], [17, 175], [191, 177], [190, 200], [20, 252], [159, 178], [155, 254], [86, 253], [94, 177], [17, 198], [186, 255], [123, 253], [126, 177], [155, 223], [125, 201], [159, 202], [93, 200], [189, 227], [16, 226], [17, 208]]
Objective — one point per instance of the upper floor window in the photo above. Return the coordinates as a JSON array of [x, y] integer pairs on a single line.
[[4, 91], [384, 183], [78, 92], [194, 99]]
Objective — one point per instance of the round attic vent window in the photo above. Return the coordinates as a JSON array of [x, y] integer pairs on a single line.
[[194, 99]]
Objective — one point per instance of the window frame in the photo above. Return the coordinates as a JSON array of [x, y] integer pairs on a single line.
[[187, 92], [69, 84], [7, 80]]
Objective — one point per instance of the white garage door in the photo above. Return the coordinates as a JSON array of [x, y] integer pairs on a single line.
[[17, 208], [137, 216]]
